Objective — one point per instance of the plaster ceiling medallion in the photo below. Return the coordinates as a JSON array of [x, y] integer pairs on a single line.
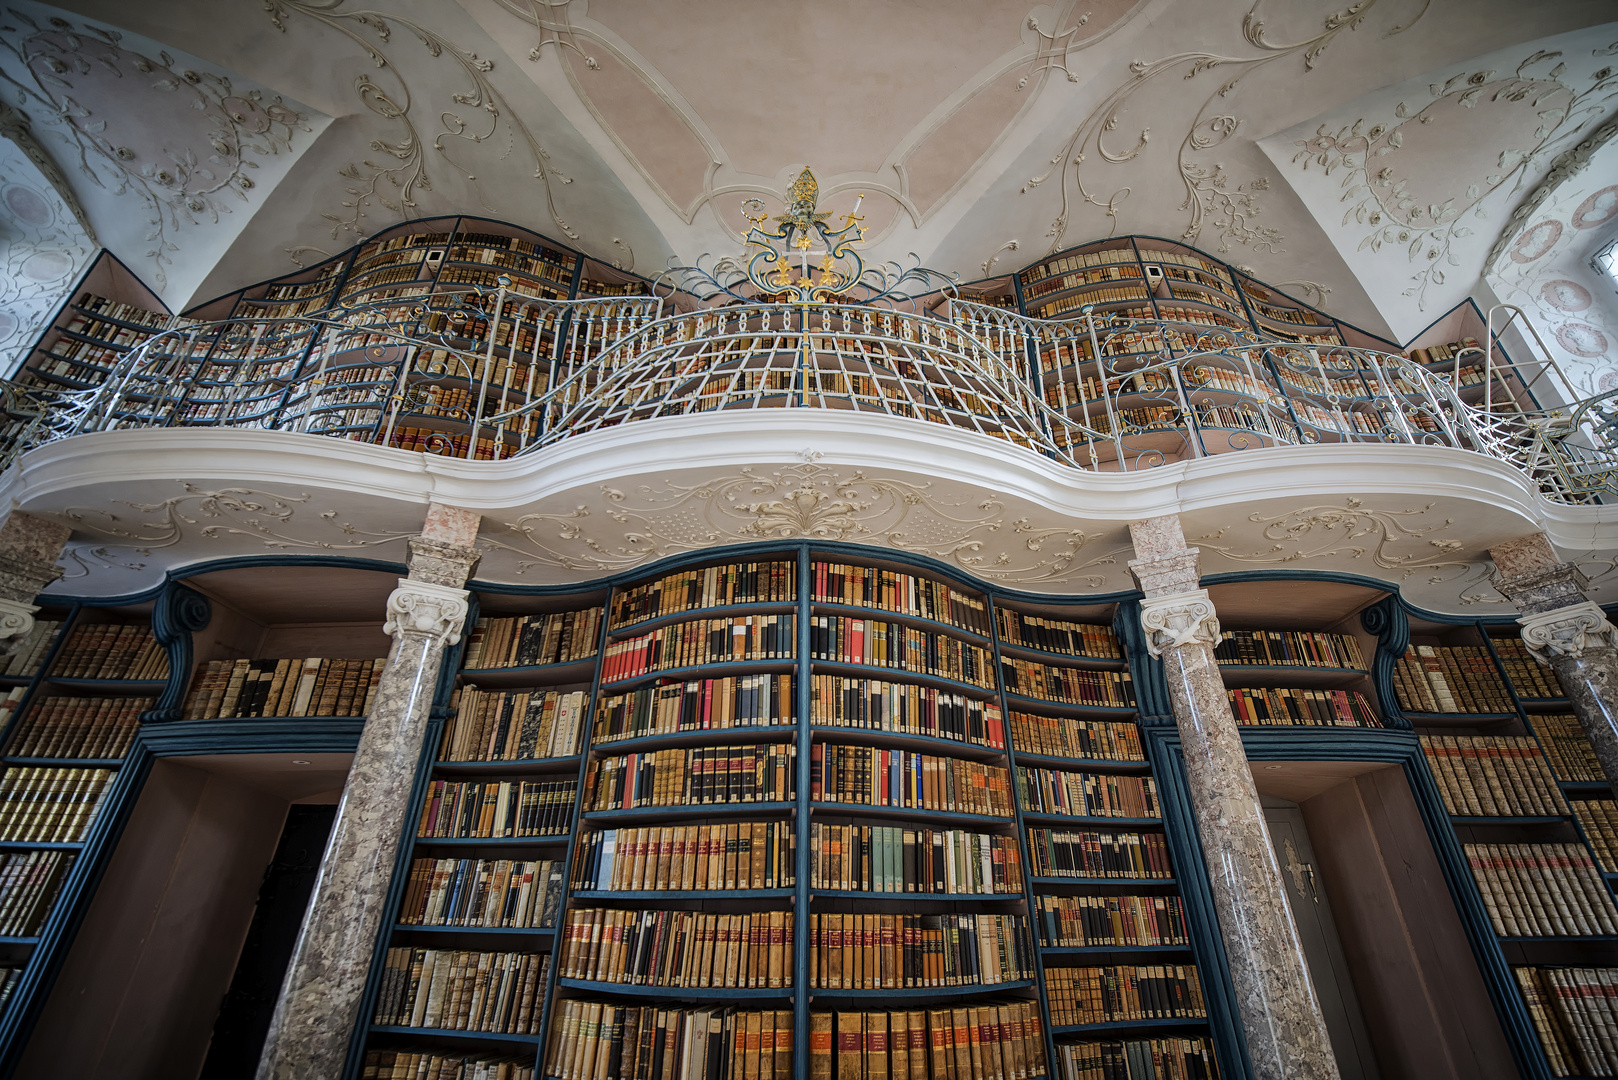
[[1544, 266], [1412, 182], [193, 147]]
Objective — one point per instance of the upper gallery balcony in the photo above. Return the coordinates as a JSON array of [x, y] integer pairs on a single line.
[[476, 340]]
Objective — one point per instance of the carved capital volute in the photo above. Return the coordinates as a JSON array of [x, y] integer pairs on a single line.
[[1179, 619], [1567, 631], [419, 607], [16, 620]]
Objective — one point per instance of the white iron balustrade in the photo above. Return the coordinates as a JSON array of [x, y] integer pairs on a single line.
[[513, 374]]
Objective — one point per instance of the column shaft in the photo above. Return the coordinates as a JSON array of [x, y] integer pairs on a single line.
[[1281, 1018], [321, 995]]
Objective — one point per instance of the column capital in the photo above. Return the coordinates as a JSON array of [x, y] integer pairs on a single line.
[[421, 607], [16, 622], [1175, 619], [1571, 630]]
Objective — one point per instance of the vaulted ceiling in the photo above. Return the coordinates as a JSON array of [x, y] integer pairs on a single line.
[[1366, 156]]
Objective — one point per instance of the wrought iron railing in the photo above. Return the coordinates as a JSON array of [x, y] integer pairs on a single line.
[[492, 374]]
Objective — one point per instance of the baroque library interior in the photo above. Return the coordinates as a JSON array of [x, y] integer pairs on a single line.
[[1175, 644]]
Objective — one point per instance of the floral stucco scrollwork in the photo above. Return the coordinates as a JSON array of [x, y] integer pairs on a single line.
[[479, 113], [1554, 109], [808, 501], [1352, 531], [1211, 197], [213, 515], [75, 79]]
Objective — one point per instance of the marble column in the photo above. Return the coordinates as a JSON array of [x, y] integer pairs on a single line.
[[1564, 629], [1281, 1018], [29, 548], [320, 997]]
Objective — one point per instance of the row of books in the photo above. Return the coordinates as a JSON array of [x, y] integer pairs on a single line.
[[1057, 635], [1076, 853], [872, 776], [678, 777], [904, 594], [459, 990], [1567, 748], [111, 651], [50, 805], [1078, 260], [498, 808], [1447, 351], [1542, 890], [702, 641], [735, 855], [513, 725], [1119, 921], [29, 653], [1071, 686], [593, 1040], [1277, 707], [1530, 678], [1450, 679], [1575, 1012], [307, 687], [889, 859], [1079, 794], [691, 949], [1599, 820], [712, 586], [893, 645], [408, 1064], [1289, 648], [1071, 737], [698, 705], [482, 892], [431, 441], [1097, 995], [1081, 277], [555, 637], [904, 709], [977, 1042], [1173, 1058], [1493, 776], [29, 882], [88, 727], [893, 952]]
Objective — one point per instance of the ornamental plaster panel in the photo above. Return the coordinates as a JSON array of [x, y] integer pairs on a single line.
[[43, 251]]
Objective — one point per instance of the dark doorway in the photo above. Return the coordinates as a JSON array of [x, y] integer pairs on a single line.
[[244, 1016]]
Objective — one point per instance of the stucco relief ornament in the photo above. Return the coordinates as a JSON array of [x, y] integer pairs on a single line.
[[1179, 619], [1381, 190], [1568, 631], [421, 608], [77, 81], [806, 500], [1211, 198], [478, 113], [1353, 531]]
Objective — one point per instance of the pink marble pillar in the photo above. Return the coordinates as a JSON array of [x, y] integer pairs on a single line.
[[1564, 629], [320, 997], [1285, 1031]]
